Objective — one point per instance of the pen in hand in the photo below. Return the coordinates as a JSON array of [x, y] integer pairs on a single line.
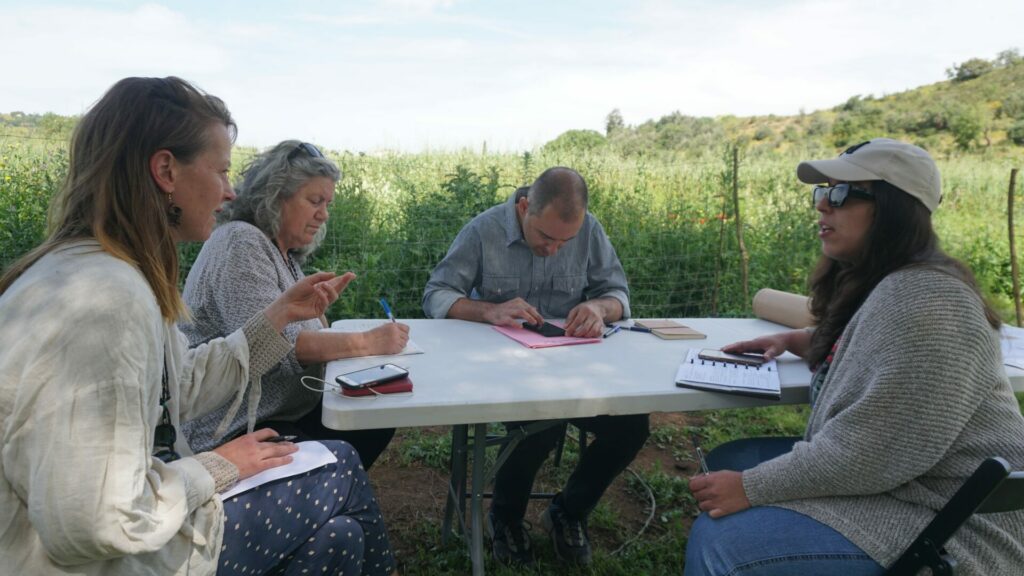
[[700, 456], [285, 438], [387, 309]]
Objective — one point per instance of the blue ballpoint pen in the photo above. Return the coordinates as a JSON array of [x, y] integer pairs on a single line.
[[387, 309], [610, 331]]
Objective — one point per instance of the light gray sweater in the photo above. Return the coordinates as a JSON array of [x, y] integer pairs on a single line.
[[915, 399], [238, 273]]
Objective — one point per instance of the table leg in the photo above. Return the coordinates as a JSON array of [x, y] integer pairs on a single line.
[[476, 551], [456, 503]]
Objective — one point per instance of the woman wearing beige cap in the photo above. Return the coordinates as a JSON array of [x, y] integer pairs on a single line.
[[908, 396]]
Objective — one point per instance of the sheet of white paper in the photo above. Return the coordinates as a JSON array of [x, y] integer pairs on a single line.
[[363, 326], [1012, 341], [310, 455], [693, 369]]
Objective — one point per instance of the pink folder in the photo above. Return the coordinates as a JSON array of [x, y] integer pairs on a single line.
[[531, 339]]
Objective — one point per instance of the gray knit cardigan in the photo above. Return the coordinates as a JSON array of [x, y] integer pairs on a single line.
[[238, 273], [915, 399]]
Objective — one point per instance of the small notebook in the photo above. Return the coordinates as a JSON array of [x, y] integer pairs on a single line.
[[400, 386], [759, 381], [670, 330], [532, 339]]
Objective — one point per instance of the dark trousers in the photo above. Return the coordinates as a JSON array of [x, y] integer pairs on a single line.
[[617, 440], [368, 443]]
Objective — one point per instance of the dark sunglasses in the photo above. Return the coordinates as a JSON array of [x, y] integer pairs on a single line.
[[838, 194], [309, 149]]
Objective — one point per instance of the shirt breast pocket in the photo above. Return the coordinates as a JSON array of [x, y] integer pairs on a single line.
[[499, 288], [569, 285]]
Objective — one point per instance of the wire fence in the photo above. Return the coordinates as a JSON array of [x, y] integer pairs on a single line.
[[673, 223]]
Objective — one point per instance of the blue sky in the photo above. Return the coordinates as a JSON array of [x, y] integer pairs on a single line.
[[413, 75]]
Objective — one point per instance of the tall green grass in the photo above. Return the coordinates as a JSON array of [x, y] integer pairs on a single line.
[[672, 221]]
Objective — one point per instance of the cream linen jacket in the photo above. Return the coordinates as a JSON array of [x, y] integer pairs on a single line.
[[82, 352]]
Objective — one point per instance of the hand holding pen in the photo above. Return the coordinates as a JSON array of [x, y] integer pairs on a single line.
[[387, 309]]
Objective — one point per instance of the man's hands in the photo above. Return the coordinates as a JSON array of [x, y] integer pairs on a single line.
[[586, 320], [252, 455], [720, 493], [308, 298], [511, 313]]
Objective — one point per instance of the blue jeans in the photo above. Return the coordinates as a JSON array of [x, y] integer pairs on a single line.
[[765, 540]]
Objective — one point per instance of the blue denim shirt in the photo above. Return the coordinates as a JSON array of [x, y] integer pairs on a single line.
[[490, 261]]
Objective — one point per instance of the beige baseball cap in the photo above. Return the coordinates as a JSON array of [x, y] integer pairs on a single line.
[[903, 165]]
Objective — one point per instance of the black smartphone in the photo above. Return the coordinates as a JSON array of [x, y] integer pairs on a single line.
[[719, 356], [371, 376], [546, 329]]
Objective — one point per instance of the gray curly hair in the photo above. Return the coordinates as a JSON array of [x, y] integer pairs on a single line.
[[269, 180]]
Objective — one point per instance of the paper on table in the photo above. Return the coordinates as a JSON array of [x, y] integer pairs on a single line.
[[1012, 340], [310, 455], [531, 339], [762, 381], [410, 346]]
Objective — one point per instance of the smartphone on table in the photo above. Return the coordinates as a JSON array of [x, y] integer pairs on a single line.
[[546, 329], [372, 376], [752, 359]]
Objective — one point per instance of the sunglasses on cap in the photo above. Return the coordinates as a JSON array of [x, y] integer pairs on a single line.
[[309, 149], [838, 194]]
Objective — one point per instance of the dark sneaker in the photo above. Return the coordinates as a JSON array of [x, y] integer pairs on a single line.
[[510, 543], [568, 535]]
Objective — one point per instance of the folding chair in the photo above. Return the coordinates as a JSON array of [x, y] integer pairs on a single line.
[[993, 487]]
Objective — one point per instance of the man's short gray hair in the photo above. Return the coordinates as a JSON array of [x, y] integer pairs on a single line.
[[269, 180], [561, 187]]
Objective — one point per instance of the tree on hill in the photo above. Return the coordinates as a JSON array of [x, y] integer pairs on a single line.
[[613, 122], [969, 69]]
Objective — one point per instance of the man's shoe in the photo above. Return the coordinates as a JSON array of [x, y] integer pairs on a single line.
[[568, 535], [510, 543]]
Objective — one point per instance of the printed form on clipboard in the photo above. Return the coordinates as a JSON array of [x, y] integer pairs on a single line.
[[716, 376]]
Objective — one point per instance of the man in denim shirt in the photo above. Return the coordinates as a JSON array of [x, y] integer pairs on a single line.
[[542, 254]]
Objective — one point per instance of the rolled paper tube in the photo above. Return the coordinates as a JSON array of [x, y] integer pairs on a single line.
[[784, 308]]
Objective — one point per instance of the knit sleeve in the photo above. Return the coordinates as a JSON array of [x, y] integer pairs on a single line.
[[902, 387]]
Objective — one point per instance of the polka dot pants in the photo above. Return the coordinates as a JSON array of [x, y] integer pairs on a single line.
[[323, 522]]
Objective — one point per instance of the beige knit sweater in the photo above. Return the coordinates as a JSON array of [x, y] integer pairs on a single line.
[[915, 399]]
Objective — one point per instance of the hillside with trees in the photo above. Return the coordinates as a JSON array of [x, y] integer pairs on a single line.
[[979, 108]]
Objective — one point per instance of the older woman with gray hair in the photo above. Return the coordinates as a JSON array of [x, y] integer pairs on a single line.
[[254, 255]]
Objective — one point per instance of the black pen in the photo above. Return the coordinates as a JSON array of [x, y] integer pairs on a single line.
[[638, 329], [285, 438]]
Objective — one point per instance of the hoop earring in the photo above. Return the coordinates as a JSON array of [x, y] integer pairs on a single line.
[[173, 212]]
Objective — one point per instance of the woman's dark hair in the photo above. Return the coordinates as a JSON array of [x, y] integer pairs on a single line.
[[901, 235]]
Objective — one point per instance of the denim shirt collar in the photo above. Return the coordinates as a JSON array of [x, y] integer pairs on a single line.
[[513, 230]]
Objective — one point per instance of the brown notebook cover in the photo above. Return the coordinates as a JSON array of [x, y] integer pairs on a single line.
[[670, 330], [393, 387]]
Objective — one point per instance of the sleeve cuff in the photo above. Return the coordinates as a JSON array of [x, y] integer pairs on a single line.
[[199, 482], [622, 298], [266, 346], [224, 473], [440, 303]]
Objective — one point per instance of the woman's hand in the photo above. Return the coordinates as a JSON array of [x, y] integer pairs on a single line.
[[308, 298], [388, 338], [251, 455], [720, 493], [771, 345]]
